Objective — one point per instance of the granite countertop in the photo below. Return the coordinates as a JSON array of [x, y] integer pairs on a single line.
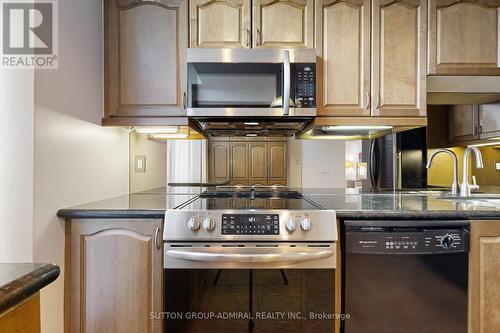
[[348, 203], [20, 281]]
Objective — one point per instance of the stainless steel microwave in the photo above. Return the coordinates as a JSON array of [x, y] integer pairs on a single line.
[[251, 83]]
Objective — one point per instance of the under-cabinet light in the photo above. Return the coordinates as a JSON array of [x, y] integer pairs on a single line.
[[170, 136], [157, 130], [486, 144], [350, 128], [251, 123]]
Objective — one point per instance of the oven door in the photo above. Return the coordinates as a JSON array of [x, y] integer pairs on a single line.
[[215, 291], [249, 255]]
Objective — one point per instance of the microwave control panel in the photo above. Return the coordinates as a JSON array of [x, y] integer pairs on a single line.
[[305, 85]]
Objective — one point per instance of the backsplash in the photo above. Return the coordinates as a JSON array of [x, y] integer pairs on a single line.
[[441, 172]]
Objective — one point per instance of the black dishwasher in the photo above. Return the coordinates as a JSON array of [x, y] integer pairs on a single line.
[[405, 276]]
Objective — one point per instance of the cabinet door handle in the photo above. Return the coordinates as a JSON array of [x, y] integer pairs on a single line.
[[248, 38], [367, 101], [258, 37], [480, 122], [377, 101], [157, 238], [184, 101], [474, 131]]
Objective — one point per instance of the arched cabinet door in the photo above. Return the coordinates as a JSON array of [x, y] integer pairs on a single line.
[[343, 44], [464, 37], [283, 23], [114, 275], [220, 23], [399, 42], [145, 57]]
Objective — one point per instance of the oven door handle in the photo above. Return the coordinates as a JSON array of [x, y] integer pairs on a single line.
[[251, 256], [286, 83]]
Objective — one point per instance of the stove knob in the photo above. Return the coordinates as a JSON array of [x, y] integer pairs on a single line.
[[209, 224], [305, 224], [291, 225], [447, 241], [193, 224]]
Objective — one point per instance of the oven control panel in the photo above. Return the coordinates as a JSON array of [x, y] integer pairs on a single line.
[[418, 242], [250, 224], [305, 83]]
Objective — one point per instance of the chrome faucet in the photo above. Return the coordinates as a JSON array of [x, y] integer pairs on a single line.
[[454, 185], [465, 187]]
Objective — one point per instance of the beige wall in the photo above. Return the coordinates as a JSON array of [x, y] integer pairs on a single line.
[[316, 163], [294, 157], [75, 159], [16, 165], [156, 163]]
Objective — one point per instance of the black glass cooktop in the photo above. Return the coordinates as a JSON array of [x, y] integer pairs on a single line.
[[250, 199]]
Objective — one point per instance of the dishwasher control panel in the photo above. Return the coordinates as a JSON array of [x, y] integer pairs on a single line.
[[407, 242]]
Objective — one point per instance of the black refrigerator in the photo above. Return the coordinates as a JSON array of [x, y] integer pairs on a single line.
[[396, 160]]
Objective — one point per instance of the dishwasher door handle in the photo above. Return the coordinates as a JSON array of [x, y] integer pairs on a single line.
[[245, 255]]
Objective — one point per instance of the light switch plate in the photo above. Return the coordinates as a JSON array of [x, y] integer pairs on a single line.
[[497, 166], [140, 163]]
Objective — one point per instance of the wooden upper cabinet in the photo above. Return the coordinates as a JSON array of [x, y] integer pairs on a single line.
[[343, 44], [399, 58], [239, 161], [219, 161], [283, 23], [464, 37], [258, 162], [220, 23], [277, 161], [463, 123], [145, 57]]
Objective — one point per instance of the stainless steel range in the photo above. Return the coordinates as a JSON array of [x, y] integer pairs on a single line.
[[258, 259], [257, 228]]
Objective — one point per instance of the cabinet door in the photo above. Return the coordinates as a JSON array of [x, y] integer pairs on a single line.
[[464, 37], [343, 44], [399, 58], [276, 162], [145, 57], [283, 23], [239, 163], [220, 23], [484, 277], [463, 123], [489, 120], [257, 163], [219, 161], [114, 274]]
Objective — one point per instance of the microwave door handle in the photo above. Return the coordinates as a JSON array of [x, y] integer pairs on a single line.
[[249, 256], [286, 83]]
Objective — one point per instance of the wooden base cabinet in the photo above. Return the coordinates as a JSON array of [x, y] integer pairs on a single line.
[[484, 277], [113, 276], [23, 317]]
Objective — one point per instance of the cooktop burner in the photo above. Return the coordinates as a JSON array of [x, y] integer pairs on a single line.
[[252, 194], [250, 199]]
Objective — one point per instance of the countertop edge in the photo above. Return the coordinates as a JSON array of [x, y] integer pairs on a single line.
[[111, 213], [25, 286], [342, 214]]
